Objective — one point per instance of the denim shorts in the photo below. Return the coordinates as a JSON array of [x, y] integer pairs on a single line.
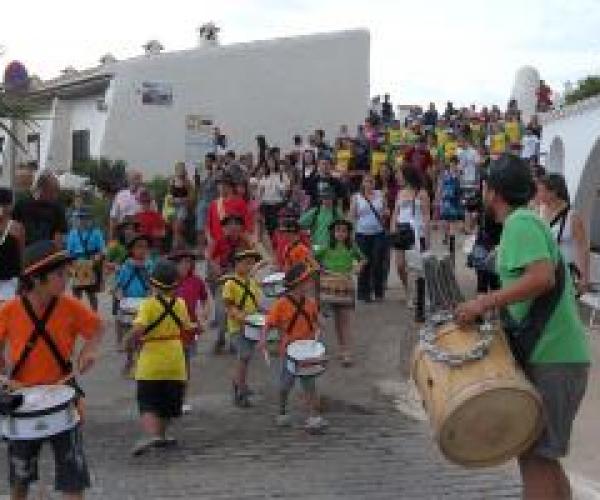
[[71, 471], [562, 387], [244, 346]]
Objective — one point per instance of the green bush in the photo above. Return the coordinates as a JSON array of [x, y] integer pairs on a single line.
[[158, 187], [586, 88], [109, 176]]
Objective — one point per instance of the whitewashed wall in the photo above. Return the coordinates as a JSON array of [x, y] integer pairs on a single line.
[[277, 88]]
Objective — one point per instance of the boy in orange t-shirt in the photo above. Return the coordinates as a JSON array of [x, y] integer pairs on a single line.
[[295, 315], [41, 327], [297, 248]]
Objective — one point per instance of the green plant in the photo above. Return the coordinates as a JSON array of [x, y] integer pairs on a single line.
[[586, 88], [158, 187], [109, 176]]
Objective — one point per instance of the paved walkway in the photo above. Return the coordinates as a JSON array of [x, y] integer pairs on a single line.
[[371, 451]]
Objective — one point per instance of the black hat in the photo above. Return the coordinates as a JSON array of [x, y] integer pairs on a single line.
[[128, 220], [297, 274], [341, 222], [164, 275], [183, 253], [511, 178], [247, 254], [43, 257], [6, 196], [289, 224], [232, 219], [135, 238]]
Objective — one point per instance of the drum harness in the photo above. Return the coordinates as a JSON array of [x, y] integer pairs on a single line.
[[246, 293], [298, 311], [40, 332], [168, 311]]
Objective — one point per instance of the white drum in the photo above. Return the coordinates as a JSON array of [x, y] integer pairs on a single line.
[[273, 288], [128, 309], [46, 410], [253, 327], [306, 358], [8, 289]]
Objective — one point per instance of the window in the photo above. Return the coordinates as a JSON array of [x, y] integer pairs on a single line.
[[1, 145], [33, 149], [81, 145]]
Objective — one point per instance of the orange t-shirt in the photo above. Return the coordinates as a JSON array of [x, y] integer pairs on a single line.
[[71, 318], [295, 253], [281, 314]]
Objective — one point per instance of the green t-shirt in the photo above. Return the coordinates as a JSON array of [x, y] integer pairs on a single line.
[[318, 225], [526, 239], [338, 259]]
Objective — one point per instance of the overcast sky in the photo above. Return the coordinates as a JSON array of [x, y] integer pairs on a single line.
[[464, 50]]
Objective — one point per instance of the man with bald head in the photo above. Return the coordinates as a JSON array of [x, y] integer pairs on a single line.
[[41, 215], [126, 203]]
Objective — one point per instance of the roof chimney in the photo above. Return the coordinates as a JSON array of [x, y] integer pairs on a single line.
[[208, 35], [108, 58], [68, 71], [153, 47]]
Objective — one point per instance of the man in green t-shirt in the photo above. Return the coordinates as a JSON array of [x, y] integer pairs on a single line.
[[558, 363]]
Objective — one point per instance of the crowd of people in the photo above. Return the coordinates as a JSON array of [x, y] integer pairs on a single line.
[[320, 212]]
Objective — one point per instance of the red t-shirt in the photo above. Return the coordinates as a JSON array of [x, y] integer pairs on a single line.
[[219, 208], [419, 158], [224, 248], [151, 223], [193, 291]]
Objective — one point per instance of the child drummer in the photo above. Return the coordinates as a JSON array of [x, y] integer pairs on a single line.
[[295, 315], [41, 327], [157, 332], [242, 296]]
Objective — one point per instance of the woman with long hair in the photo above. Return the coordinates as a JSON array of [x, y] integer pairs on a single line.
[[181, 190], [368, 211], [567, 226], [410, 220], [273, 188]]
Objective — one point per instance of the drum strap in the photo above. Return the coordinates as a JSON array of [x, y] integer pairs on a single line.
[[290, 249], [298, 311], [84, 244], [40, 331], [168, 311], [246, 293]]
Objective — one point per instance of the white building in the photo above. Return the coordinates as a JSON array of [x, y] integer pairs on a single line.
[[159, 108]]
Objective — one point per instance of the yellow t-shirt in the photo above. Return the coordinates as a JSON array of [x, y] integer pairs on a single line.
[[450, 149], [441, 135], [498, 143], [342, 159], [161, 359], [234, 292], [377, 161], [395, 136], [513, 131]]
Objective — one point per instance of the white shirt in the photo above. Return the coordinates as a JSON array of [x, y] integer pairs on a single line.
[[124, 205], [366, 221], [272, 188], [468, 159], [531, 146]]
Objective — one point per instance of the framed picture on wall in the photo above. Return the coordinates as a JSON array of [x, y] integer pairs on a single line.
[[157, 93]]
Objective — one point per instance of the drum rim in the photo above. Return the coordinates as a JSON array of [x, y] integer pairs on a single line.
[[44, 412], [295, 360]]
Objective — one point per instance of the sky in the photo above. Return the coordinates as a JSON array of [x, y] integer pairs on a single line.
[[466, 51]]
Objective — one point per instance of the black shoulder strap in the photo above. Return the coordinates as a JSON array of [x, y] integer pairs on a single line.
[[168, 310], [246, 293], [298, 311], [39, 330], [562, 216], [290, 248], [375, 212]]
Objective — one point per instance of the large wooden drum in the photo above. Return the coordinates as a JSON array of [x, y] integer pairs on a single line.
[[83, 273], [336, 289], [483, 411]]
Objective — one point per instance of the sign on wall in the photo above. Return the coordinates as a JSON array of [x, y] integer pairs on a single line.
[[198, 141], [157, 93]]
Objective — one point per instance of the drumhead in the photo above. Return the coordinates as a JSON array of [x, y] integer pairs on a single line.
[[8, 289], [256, 319], [44, 397], [275, 278], [491, 427], [305, 349], [131, 304]]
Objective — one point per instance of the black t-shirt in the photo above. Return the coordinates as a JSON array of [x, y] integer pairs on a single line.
[[10, 256], [41, 219]]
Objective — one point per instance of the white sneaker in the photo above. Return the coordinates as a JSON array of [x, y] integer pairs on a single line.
[[283, 420], [186, 408], [144, 445], [315, 424]]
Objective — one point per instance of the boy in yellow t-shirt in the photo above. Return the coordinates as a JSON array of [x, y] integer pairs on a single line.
[[343, 156], [160, 368], [242, 296], [378, 159]]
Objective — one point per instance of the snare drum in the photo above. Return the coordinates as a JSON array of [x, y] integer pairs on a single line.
[[128, 309], [46, 410], [253, 327], [8, 289], [306, 358], [83, 273], [273, 288], [336, 289]]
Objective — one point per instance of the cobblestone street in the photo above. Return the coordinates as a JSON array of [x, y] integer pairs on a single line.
[[370, 451]]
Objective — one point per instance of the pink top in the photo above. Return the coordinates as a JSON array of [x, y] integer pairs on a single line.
[[192, 290]]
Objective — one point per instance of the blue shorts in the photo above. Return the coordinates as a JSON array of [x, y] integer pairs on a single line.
[[244, 346], [287, 380]]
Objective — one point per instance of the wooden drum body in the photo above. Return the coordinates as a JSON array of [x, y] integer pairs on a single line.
[[336, 289], [83, 273], [484, 411]]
